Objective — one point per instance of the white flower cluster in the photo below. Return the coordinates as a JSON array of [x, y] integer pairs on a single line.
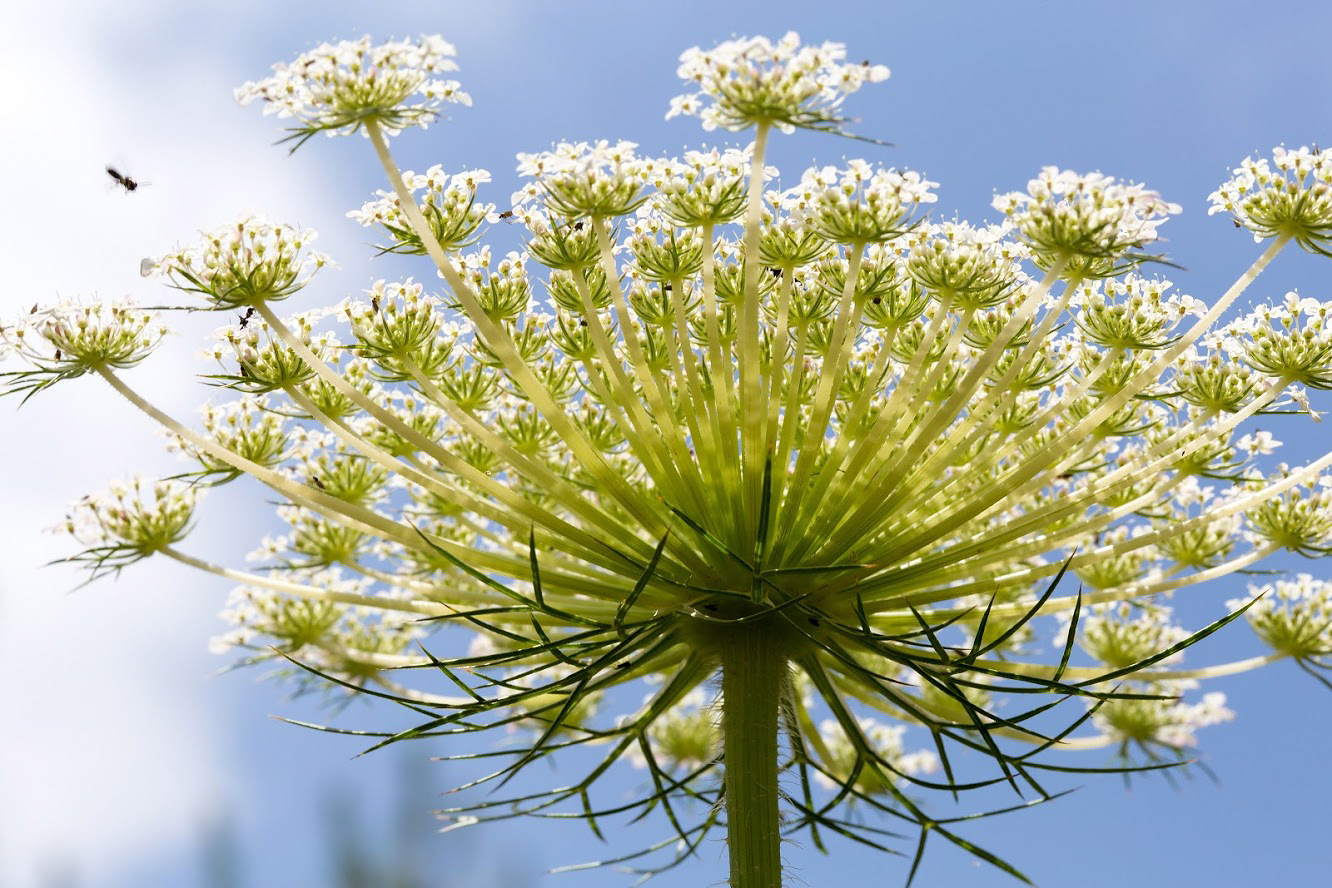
[[864, 204], [1290, 341], [248, 427], [502, 286], [1119, 635], [685, 737], [1132, 312], [71, 338], [398, 329], [664, 253], [1121, 564], [1088, 221], [245, 263], [259, 360], [133, 519], [1212, 377], [696, 166], [975, 267], [336, 87], [1298, 519], [707, 187], [1200, 546], [448, 203], [328, 632], [751, 80], [573, 450], [1166, 722], [1291, 196], [586, 179], [1293, 617]]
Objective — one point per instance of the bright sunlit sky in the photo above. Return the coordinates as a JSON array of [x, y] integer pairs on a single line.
[[120, 746]]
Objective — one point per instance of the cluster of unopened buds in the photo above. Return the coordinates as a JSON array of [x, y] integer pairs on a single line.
[[874, 471]]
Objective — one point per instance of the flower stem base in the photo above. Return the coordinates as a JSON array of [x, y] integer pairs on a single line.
[[754, 676]]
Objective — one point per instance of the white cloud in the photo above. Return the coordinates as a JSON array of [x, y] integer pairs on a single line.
[[107, 751]]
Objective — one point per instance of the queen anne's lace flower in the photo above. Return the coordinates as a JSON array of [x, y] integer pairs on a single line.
[[1164, 722], [1291, 341], [861, 204], [1118, 637], [1300, 519], [1213, 381], [885, 743], [328, 630], [1089, 222], [400, 330], [1258, 443], [501, 286], [971, 267], [131, 520], [448, 204], [1289, 197], [245, 263], [686, 737], [1293, 617], [663, 254], [1132, 312], [248, 427], [258, 361], [581, 179], [71, 338], [708, 188], [751, 80], [337, 88], [1190, 542], [799, 440]]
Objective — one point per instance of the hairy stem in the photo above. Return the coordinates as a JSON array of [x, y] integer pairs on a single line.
[[753, 678]]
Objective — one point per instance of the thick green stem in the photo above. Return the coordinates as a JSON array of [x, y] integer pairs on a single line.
[[753, 679]]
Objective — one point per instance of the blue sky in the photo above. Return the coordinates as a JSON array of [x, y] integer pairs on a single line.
[[120, 745]]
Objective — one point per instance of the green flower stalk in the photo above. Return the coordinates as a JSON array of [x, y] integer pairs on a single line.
[[864, 500]]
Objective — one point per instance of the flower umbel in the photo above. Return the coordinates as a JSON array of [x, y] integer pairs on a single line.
[[338, 88], [834, 482], [752, 80], [244, 264], [1294, 617], [70, 339], [1089, 223], [130, 521], [1290, 196], [448, 203]]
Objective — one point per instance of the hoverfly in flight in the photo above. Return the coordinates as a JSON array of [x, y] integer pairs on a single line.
[[122, 180]]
